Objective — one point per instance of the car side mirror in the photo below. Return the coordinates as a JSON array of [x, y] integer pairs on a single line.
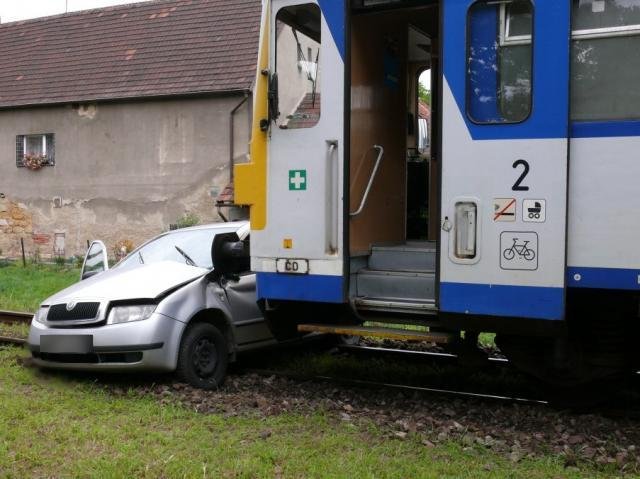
[[230, 255]]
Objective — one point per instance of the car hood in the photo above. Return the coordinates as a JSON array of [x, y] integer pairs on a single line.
[[143, 282]]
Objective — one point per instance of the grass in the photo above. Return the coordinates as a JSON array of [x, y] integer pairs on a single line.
[[68, 426], [23, 289], [64, 425]]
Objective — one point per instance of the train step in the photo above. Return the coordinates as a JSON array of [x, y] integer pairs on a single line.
[[379, 332], [394, 305], [403, 286], [419, 256]]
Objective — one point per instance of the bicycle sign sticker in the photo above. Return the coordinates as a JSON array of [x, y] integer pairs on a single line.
[[534, 211], [519, 250]]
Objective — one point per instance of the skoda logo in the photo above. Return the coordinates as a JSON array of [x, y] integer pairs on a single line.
[[71, 305]]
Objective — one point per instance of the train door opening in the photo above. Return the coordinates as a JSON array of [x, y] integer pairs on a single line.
[[393, 165]]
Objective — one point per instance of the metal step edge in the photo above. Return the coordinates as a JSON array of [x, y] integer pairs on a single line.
[[396, 304], [405, 273], [405, 249]]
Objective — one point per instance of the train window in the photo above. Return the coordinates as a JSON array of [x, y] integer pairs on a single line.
[[515, 22], [605, 16], [499, 61], [298, 40], [605, 56]]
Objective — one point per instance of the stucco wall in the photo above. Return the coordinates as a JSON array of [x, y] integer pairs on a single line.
[[122, 170]]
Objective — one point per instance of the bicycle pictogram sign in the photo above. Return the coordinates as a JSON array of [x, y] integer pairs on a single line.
[[519, 250]]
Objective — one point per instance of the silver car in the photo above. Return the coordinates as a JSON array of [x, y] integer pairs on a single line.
[[162, 308]]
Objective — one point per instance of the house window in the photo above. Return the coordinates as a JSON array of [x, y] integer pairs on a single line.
[[38, 149]]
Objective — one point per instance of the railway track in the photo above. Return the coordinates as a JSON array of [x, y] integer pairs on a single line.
[[411, 354], [360, 383], [14, 317]]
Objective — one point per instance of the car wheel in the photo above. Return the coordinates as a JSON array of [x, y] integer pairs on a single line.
[[203, 357]]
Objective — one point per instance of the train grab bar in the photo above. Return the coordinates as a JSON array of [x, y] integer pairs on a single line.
[[371, 179], [333, 213]]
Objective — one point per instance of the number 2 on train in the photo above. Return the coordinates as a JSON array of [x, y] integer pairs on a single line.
[[518, 186]]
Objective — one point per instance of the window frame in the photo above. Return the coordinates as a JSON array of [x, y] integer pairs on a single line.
[[584, 34], [301, 64], [507, 40], [576, 36], [48, 147], [501, 31]]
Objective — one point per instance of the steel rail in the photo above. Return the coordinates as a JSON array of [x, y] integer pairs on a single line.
[[398, 387], [409, 353], [418, 354], [15, 317], [12, 340], [12, 317]]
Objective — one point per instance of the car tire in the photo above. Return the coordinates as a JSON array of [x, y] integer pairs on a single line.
[[203, 357]]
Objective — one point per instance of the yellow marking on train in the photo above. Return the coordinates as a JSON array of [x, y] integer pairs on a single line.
[[287, 243], [386, 333], [251, 178]]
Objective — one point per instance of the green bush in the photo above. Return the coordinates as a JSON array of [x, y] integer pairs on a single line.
[[188, 219]]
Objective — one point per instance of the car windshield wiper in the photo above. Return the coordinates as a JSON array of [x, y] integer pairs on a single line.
[[186, 256], [140, 257]]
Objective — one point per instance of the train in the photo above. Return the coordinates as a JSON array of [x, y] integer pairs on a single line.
[[521, 217]]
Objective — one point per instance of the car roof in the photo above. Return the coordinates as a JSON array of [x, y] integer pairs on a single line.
[[229, 225]]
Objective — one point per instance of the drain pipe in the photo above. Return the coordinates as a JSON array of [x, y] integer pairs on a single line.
[[232, 138]]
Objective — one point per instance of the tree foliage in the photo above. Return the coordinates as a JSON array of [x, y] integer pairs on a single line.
[[424, 94]]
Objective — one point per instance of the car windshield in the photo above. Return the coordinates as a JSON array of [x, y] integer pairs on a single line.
[[191, 247]]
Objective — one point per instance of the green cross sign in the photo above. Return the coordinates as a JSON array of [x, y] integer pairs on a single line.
[[297, 180]]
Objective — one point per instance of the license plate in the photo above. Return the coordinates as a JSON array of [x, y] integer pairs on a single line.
[[292, 266], [68, 344]]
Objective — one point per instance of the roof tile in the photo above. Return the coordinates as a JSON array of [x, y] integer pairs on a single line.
[[156, 48]]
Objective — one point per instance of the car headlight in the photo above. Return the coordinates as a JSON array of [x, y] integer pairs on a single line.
[[127, 314], [41, 314]]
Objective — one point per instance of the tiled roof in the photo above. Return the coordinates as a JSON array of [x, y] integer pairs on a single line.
[[307, 113], [148, 49], [424, 110]]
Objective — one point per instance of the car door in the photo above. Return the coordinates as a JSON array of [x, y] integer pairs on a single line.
[[96, 260], [251, 329]]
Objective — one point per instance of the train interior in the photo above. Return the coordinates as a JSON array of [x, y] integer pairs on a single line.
[[394, 176]]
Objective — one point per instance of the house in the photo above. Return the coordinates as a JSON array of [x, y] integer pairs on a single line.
[[116, 122]]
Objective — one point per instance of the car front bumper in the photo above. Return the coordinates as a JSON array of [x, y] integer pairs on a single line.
[[149, 345]]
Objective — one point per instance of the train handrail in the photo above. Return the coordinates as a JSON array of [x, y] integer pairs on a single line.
[[363, 202]]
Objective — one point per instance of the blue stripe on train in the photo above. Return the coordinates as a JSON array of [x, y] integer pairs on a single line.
[[500, 300], [605, 129], [310, 287], [334, 14], [603, 278]]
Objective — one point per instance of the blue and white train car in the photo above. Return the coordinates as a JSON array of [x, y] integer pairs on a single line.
[[523, 218]]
